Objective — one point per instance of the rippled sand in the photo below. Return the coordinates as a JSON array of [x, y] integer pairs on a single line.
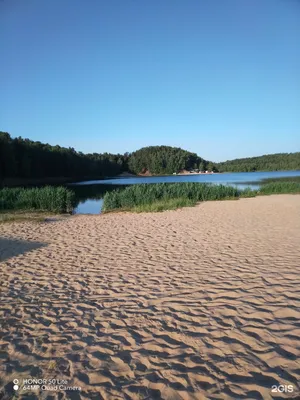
[[198, 303]]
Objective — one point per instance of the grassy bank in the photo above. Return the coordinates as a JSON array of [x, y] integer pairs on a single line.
[[32, 216], [274, 180], [52, 199], [161, 205], [167, 196]]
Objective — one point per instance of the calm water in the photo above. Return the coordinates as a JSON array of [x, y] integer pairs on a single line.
[[90, 193]]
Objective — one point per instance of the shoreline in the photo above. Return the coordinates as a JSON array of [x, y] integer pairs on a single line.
[[25, 182]]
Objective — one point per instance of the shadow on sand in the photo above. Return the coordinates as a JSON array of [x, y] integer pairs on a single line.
[[13, 247]]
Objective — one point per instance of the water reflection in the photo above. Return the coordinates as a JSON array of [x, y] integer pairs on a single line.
[[89, 198]]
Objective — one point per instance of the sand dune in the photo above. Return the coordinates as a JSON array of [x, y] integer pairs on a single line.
[[198, 303]]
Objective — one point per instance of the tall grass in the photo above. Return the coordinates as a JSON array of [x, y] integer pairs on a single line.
[[159, 196], [162, 205], [48, 198], [144, 194], [248, 192], [281, 179], [274, 180], [280, 187]]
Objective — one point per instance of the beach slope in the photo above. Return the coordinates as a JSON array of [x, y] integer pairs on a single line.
[[198, 303]]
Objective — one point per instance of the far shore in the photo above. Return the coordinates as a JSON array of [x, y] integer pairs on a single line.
[[62, 180], [128, 174], [27, 182]]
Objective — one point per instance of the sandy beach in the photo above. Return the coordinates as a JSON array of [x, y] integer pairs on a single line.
[[198, 303]]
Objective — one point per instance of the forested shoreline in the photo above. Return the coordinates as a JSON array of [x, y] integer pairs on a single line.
[[29, 161], [23, 161], [268, 162]]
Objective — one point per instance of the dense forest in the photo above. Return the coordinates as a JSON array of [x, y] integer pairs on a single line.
[[161, 160], [26, 159], [269, 162]]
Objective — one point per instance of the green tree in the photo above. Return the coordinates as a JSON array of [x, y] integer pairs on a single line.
[[162, 160]]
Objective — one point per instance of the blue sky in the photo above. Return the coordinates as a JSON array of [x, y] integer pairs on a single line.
[[218, 77]]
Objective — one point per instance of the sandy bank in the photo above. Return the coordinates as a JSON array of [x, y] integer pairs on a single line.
[[199, 303], [183, 172]]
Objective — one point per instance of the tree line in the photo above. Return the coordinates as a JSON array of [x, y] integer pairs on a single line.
[[269, 162], [24, 159]]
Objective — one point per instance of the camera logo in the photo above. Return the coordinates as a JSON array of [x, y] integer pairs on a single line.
[[16, 384]]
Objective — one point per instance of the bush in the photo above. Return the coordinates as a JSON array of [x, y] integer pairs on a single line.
[[54, 199]]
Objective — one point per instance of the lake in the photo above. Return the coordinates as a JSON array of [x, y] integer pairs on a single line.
[[90, 193]]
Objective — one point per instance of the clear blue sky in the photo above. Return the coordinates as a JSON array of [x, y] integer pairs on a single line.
[[218, 77]]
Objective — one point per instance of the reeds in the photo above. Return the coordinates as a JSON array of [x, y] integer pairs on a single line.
[[162, 205], [280, 187], [48, 198], [145, 194], [165, 196]]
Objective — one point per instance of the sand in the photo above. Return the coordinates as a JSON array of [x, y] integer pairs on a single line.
[[198, 303]]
